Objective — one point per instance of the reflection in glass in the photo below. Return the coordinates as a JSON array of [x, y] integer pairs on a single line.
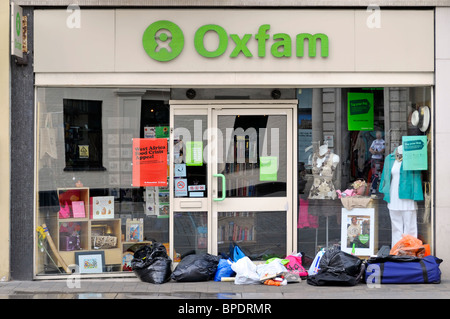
[[260, 235], [190, 233], [252, 155]]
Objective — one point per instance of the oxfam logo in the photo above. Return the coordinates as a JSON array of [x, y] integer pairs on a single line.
[[163, 41]]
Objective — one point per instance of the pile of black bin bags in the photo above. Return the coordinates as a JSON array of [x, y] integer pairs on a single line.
[[152, 264]]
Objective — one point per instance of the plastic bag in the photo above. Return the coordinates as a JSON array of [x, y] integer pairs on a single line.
[[294, 265], [152, 264], [270, 270], [192, 268], [338, 268], [408, 246], [224, 269], [283, 261], [237, 253], [245, 271], [335, 260], [315, 266]]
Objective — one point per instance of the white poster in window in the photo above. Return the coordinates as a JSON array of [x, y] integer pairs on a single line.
[[180, 170], [180, 187]]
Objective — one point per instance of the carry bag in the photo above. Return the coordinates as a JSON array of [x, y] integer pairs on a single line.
[[338, 268], [403, 270], [193, 268], [295, 265], [315, 266], [152, 264]]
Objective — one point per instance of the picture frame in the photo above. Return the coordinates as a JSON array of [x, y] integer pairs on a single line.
[[358, 228], [135, 230], [90, 262]]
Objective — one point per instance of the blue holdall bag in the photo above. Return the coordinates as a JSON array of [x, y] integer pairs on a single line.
[[403, 270]]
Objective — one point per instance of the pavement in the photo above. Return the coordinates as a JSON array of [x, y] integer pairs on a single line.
[[133, 288]]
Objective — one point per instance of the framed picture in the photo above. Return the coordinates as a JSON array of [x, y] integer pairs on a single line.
[[90, 262], [358, 231], [135, 230]]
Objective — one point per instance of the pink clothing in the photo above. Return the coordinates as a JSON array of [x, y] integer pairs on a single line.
[[305, 219]]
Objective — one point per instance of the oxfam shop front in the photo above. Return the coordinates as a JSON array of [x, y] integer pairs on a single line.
[[205, 129]]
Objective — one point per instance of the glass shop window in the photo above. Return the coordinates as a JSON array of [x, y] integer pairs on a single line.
[[83, 135], [364, 169]]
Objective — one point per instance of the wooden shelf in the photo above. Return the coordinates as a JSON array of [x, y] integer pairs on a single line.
[[86, 225]]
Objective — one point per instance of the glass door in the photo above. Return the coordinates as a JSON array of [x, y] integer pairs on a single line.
[[252, 181], [189, 176], [231, 179]]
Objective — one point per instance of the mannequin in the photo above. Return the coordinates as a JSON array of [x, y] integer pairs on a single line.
[[401, 190], [323, 166]]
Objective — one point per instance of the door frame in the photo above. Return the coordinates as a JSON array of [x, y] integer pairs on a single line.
[[208, 107]]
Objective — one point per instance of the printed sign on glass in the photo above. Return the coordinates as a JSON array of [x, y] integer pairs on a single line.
[[149, 162]]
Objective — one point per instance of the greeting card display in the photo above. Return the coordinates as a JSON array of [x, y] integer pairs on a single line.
[[102, 207]]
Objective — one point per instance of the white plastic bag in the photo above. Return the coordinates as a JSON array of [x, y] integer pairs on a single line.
[[314, 268], [271, 269], [245, 271]]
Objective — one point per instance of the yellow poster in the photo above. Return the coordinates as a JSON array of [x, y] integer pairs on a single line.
[[83, 150]]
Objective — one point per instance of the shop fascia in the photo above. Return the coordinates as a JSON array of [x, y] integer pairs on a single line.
[[164, 41]]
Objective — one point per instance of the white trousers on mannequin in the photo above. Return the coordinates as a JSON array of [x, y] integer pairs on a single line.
[[403, 222]]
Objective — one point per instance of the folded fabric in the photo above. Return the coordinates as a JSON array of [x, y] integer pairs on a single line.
[[346, 193], [355, 202]]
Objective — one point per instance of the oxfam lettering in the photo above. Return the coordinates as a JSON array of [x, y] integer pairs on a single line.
[[164, 41]]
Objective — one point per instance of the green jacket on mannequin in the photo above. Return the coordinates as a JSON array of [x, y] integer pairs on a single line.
[[410, 181]]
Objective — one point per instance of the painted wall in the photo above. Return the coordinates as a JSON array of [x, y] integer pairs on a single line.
[[442, 131], [4, 140], [353, 45]]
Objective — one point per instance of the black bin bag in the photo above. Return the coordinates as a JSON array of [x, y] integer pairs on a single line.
[[338, 268], [192, 268], [152, 264]]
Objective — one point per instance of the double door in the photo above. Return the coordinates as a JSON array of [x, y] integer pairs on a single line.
[[232, 178]]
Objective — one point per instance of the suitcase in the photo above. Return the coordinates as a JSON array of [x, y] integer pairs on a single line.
[[403, 270]]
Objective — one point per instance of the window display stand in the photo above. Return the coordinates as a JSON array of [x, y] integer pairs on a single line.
[[88, 231]]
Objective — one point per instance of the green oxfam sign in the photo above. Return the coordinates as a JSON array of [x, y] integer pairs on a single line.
[[164, 41]]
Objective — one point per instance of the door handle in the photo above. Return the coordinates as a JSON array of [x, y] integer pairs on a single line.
[[224, 186]]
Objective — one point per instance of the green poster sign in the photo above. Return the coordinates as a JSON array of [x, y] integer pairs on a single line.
[[194, 153], [360, 111], [268, 168], [415, 155], [162, 132]]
